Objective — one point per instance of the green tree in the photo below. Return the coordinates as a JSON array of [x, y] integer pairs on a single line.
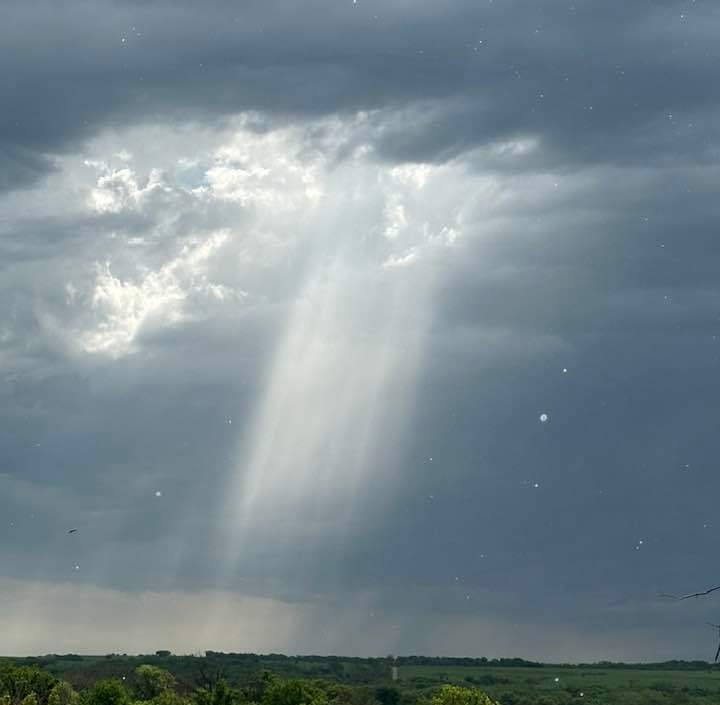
[[255, 689], [168, 697], [339, 694], [18, 682], [150, 681], [335, 666], [387, 695], [62, 694], [220, 694], [30, 699], [109, 692], [456, 695], [294, 692]]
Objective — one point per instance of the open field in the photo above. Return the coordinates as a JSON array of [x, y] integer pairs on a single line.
[[597, 685]]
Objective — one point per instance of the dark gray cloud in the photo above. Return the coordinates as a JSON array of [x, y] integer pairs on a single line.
[[611, 84], [211, 237]]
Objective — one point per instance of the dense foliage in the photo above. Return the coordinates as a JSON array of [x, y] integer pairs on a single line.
[[242, 679]]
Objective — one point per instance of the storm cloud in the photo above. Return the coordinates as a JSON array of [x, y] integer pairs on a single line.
[[285, 290]]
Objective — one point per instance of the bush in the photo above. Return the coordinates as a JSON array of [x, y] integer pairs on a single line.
[[63, 694], [255, 689], [220, 694], [150, 681], [21, 682], [387, 695], [294, 692], [455, 695], [110, 692]]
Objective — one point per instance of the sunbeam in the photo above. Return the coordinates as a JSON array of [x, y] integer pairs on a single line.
[[327, 436], [337, 396]]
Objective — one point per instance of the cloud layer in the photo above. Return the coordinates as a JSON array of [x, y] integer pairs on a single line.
[[284, 294]]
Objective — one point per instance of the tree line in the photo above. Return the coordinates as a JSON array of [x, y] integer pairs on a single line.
[[152, 685]]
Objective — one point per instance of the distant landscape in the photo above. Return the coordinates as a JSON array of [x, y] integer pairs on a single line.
[[242, 679]]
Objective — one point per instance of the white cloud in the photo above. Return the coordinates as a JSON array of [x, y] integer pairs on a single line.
[[119, 190], [402, 260], [412, 174], [162, 296], [267, 171], [241, 217], [395, 217]]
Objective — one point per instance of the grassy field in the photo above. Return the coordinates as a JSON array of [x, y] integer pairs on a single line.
[[570, 684]]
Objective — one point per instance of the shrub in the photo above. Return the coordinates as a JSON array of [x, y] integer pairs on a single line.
[[109, 692], [150, 681], [456, 695]]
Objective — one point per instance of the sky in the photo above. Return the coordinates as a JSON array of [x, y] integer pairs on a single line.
[[359, 327]]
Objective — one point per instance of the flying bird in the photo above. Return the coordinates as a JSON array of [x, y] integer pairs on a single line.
[[72, 531]]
